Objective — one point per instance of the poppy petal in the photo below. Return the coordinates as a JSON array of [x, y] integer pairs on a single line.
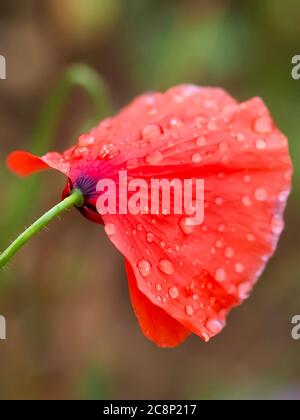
[[24, 164], [155, 323]]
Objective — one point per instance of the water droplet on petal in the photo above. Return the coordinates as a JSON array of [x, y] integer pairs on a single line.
[[86, 140], [175, 122], [132, 164], [239, 267], [196, 158], [158, 287], [244, 290], [246, 201], [241, 137], [144, 268], [220, 274], [214, 326], [277, 225], [109, 151], [173, 292], [283, 195], [247, 179], [210, 104], [201, 141], [263, 125], [212, 126], [260, 144], [219, 201], [250, 237], [221, 228], [229, 252], [189, 310], [110, 229], [150, 237], [260, 194], [166, 267], [154, 158], [187, 229], [81, 152], [151, 130]]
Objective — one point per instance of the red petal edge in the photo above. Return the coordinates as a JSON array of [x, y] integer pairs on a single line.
[[24, 163], [155, 323]]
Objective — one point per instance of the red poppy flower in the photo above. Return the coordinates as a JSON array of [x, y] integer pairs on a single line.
[[185, 279]]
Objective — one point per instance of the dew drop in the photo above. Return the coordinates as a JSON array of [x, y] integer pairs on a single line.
[[151, 130], [173, 292], [219, 243], [247, 179], [219, 201], [221, 228], [166, 267], [109, 151], [81, 152], [189, 310], [158, 287], [201, 141], [263, 125], [210, 104], [187, 229], [250, 237], [154, 158], [214, 326], [283, 195], [86, 140], [110, 229], [175, 122], [244, 290], [150, 237], [246, 201], [260, 194], [277, 225], [229, 252], [144, 268], [132, 164], [220, 274], [241, 137], [212, 126], [260, 144], [196, 158], [239, 267]]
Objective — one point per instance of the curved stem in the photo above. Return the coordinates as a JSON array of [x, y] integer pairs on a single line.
[[75, 199], [20, 199]]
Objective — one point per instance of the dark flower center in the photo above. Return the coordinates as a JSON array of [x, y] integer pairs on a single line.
[[87, 185]]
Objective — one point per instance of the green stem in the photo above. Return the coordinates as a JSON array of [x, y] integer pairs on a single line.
[[75, 199], [19, 201]]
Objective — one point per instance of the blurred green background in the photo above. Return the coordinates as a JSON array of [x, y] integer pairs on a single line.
[[70, 328]]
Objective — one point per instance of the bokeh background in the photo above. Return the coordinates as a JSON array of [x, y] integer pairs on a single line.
[[70, 328]]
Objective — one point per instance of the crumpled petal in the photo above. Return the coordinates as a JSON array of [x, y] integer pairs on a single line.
[[197, 274]]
